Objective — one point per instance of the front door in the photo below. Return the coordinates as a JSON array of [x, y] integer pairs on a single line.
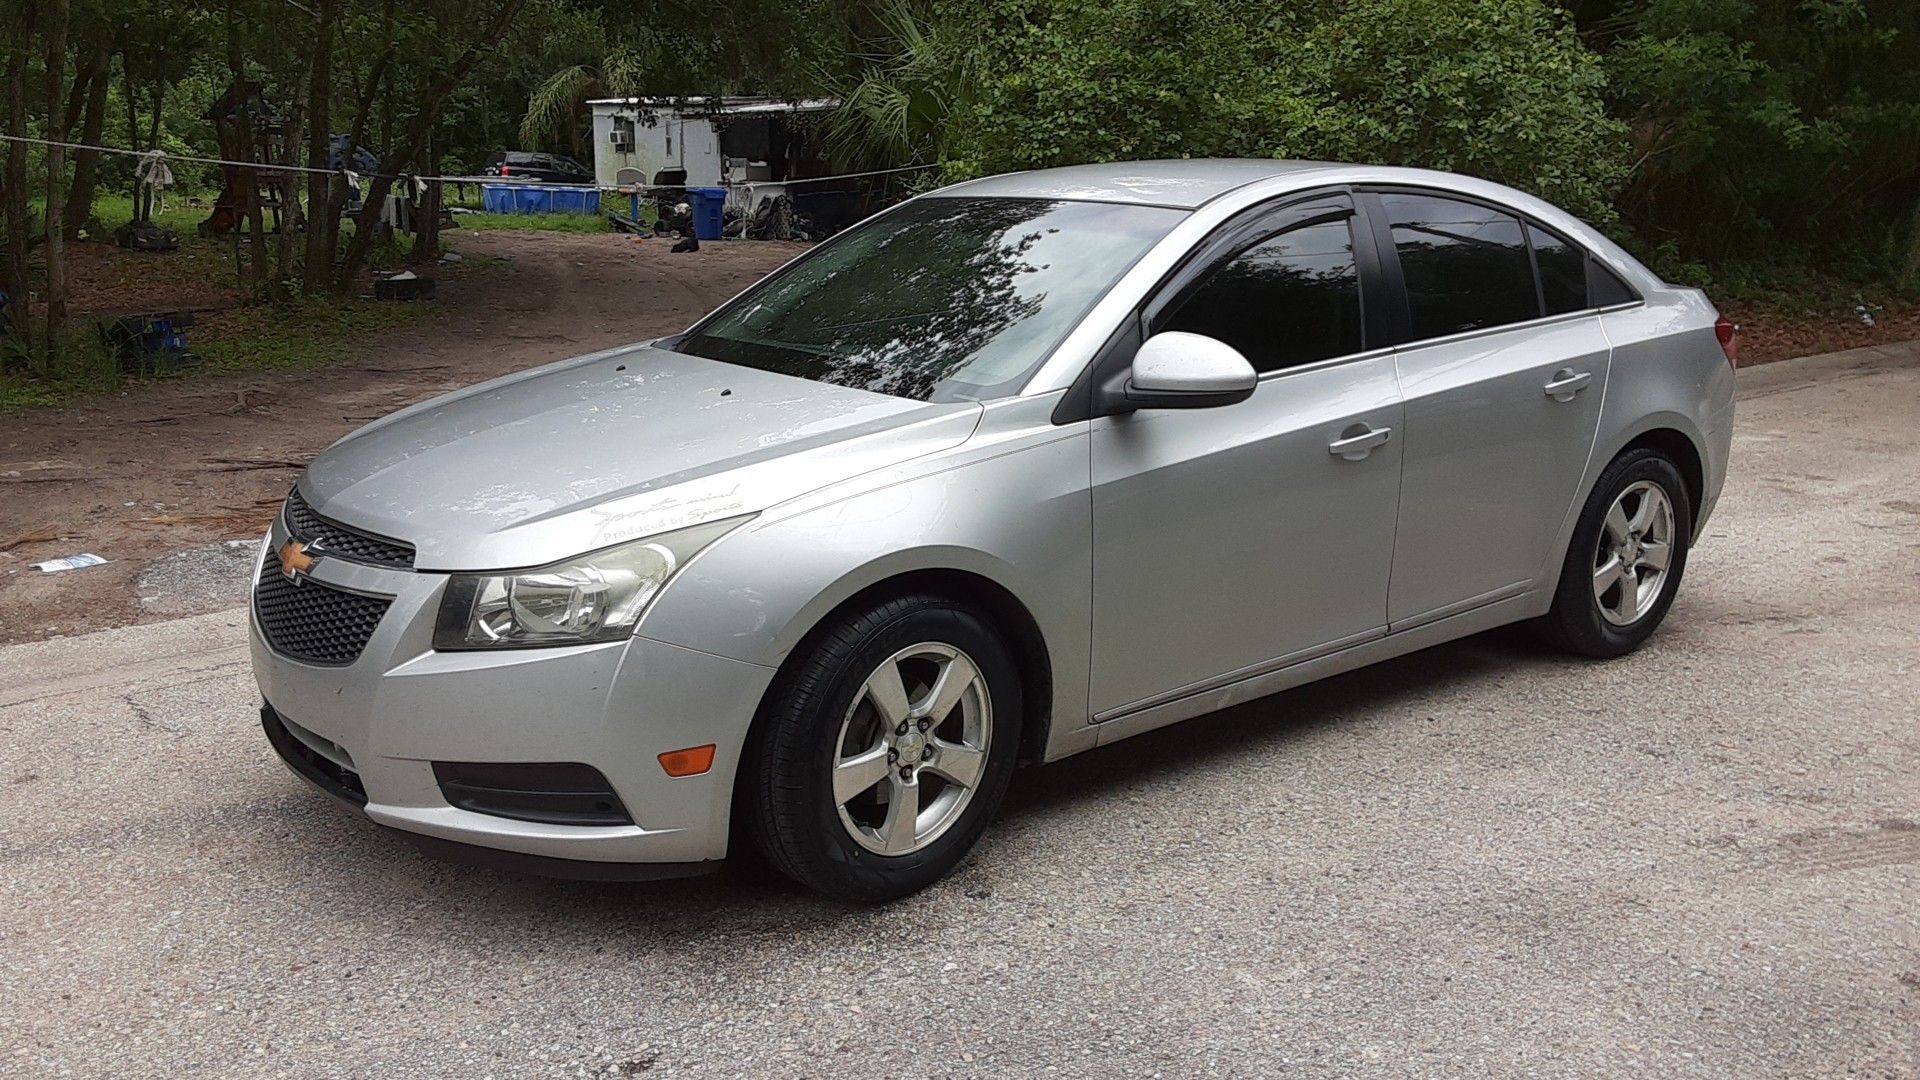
[[1232, 539]]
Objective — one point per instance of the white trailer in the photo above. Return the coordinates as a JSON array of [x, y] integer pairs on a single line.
[[751, 144]]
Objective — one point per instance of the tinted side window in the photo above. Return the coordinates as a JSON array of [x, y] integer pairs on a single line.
[[1465, 266], [1563, 272], [1290, 299], [1606, 287]]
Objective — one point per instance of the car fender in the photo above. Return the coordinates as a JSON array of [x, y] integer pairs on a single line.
[[1015, 512]]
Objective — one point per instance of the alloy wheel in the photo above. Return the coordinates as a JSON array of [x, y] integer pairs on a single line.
[[1635, 549], [912, 749]]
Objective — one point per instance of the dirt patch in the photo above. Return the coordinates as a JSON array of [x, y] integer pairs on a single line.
[[1767, 335], [107, 280], [164, 466]]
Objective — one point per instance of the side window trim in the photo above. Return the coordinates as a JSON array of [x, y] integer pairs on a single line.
[[1396, 317], [1527, 228]]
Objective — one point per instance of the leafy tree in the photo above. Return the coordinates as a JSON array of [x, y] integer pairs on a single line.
[[914, 81], [1503, 88], [1782, 130]]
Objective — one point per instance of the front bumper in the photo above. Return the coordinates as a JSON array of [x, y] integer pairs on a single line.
[[383, 719]]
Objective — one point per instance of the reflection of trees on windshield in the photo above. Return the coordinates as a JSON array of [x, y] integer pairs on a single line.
[[944, 297], [924, 300]]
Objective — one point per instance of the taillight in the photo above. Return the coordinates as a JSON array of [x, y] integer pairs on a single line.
[[507, 170], [1728, 332]]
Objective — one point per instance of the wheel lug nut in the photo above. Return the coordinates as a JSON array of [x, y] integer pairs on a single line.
[[902, 729], [925, 724], [906, 772], [892, 754], [926, 753]]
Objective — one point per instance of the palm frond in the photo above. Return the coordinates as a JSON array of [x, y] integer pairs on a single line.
[[554, 107]]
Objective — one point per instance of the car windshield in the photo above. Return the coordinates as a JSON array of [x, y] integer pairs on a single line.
[[942, 299]]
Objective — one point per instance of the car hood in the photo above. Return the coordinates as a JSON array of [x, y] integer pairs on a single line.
[[549, 463]]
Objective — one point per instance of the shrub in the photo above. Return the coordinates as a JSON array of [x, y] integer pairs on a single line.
[[1501, 89]]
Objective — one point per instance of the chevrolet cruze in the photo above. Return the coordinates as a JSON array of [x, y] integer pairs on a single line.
[[1013, 470]]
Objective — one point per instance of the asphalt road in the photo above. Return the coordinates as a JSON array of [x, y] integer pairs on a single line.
[[1702, 860]]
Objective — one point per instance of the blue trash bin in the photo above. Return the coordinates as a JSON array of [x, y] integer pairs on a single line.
[[709, 211]]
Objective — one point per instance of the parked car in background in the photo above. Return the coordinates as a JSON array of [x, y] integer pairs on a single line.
[[1015, 469], [551, 168]]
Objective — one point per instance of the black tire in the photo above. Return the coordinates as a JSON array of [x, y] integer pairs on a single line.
[[1575, 622], [789, 802]]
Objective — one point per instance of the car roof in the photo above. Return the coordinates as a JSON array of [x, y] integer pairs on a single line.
[[1186, 183]]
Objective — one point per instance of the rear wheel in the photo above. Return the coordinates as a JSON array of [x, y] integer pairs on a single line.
[[1625, 560], [886, 750]]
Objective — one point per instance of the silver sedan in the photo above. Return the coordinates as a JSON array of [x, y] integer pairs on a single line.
[[1015, 469]]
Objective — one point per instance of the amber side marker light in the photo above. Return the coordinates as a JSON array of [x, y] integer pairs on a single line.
[[692, 761]]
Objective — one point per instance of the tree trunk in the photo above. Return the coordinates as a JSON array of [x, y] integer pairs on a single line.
[[1913, 245], [56, 178], [86, 162], [322, 223], [417, 134], [427, 216], [247, 140], [18, 224]]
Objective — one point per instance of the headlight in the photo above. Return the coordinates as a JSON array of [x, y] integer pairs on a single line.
[[596, 597]]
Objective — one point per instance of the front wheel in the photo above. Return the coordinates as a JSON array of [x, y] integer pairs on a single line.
[[885, 751], [1624, 562]]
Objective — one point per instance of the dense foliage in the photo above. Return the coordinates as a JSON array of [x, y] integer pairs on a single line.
[[1779, 132], [1501, 89], [1736, 140]]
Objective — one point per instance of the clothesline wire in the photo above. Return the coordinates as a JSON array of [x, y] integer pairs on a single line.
[[268, 167]]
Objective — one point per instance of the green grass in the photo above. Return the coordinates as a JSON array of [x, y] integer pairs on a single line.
[[113, 211], [302, 332], [565, 223], [84, 367]]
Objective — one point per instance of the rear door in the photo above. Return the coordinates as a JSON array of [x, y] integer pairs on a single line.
[[1233, 539], [1503, 370]]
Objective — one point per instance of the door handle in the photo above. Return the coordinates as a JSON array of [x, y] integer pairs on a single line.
[[1357, 441], [1566, 383]]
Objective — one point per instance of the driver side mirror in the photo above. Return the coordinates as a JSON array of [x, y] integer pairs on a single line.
[[1178, 370]]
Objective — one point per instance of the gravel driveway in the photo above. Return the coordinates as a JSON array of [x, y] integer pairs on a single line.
[[1702, 860]]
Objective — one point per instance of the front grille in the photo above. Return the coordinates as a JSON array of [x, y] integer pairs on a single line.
[[313, 622], [327, 537]]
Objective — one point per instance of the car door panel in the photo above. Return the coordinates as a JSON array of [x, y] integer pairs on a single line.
[[1225, 538], [1498, 430]]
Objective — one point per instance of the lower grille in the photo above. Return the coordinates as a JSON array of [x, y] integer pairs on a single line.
[[557, 793], [308, 621], [323, 770]]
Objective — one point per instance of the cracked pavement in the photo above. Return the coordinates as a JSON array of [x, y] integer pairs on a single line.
[[1482, 860]]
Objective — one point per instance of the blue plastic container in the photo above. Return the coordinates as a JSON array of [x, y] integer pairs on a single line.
[[539, 199], [574, 200], [709, 211]]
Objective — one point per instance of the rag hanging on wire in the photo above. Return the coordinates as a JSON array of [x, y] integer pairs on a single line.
[[156, 176]]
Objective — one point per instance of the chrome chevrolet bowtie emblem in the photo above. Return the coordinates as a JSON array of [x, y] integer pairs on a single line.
[[294, 560]]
